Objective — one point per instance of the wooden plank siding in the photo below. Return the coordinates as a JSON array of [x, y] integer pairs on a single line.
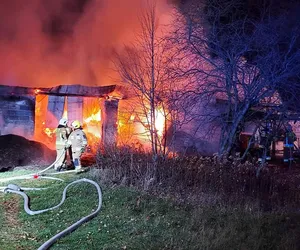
[[109, 122], [55, 110], [74, 108]]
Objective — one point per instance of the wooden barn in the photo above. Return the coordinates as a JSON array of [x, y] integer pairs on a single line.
[[34, 112]]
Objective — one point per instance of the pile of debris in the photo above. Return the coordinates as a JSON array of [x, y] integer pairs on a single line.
[[18, 151]]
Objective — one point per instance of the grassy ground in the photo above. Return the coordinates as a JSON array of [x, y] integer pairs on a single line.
[[130, 219]]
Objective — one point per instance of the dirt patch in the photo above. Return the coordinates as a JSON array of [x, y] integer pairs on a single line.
[[12, 228], [18, 151], [11, 210]]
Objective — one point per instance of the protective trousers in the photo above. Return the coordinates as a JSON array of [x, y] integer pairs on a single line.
[[76, 154], [61, 156]]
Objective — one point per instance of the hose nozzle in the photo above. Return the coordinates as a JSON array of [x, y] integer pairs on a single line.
[[12, 187]]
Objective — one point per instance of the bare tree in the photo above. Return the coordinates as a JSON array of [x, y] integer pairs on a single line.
[[242, 61], [143, 66]]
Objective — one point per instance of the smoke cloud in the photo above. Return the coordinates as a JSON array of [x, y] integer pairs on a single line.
[[48, 43]]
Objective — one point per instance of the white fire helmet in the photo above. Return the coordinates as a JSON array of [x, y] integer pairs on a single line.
[[63, 122]]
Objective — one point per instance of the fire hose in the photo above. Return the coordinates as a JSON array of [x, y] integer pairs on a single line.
[[12, 188], [39, 174]]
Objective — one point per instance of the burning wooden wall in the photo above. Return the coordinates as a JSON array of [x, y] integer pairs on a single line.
[[38, 111], [74, 102], [105, 116]]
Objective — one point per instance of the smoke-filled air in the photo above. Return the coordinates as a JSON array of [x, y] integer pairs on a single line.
[[48, 43]]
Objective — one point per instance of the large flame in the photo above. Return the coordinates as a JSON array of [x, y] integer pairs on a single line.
[[94, 117], [159, 121], [91, 121], [134, 127]]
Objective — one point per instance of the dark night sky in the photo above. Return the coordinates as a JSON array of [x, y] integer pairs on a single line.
[[255, 11]]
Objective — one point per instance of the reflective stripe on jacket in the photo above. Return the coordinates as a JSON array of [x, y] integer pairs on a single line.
[[77, 140], [62, 137]]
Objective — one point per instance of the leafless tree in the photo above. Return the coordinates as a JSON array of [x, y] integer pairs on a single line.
[[143, 66], [243, 62]]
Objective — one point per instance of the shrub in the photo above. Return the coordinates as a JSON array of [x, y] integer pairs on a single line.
[[189, 179]]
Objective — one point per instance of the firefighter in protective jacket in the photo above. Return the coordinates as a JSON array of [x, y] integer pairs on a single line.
[[62, 133], [78, 142]]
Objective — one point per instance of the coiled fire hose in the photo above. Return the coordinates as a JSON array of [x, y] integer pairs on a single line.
[[12, 188]]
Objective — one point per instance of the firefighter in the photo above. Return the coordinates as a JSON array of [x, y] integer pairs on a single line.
[[288, 144], [264, 140], [62, 133], [78, 143]]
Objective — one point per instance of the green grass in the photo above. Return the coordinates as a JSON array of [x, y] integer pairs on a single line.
[[130, 219]]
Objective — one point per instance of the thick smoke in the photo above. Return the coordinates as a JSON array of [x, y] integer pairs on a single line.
[[47, 43]]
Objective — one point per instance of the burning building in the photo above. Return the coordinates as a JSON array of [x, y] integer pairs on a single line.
[[34, 112]]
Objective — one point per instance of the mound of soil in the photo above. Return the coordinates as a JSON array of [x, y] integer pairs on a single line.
[[18, 151]]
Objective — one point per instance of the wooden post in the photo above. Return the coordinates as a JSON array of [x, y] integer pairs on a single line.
[[55, 110], [75, 104], [273, 149], [109, 122]]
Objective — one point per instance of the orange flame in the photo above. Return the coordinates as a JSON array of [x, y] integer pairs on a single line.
[[94, 117], [91, 121], [134, 128], [159, 121], [49, 131]]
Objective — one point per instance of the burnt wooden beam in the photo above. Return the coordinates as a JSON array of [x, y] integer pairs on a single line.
[[61, 90], [67, 94]]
